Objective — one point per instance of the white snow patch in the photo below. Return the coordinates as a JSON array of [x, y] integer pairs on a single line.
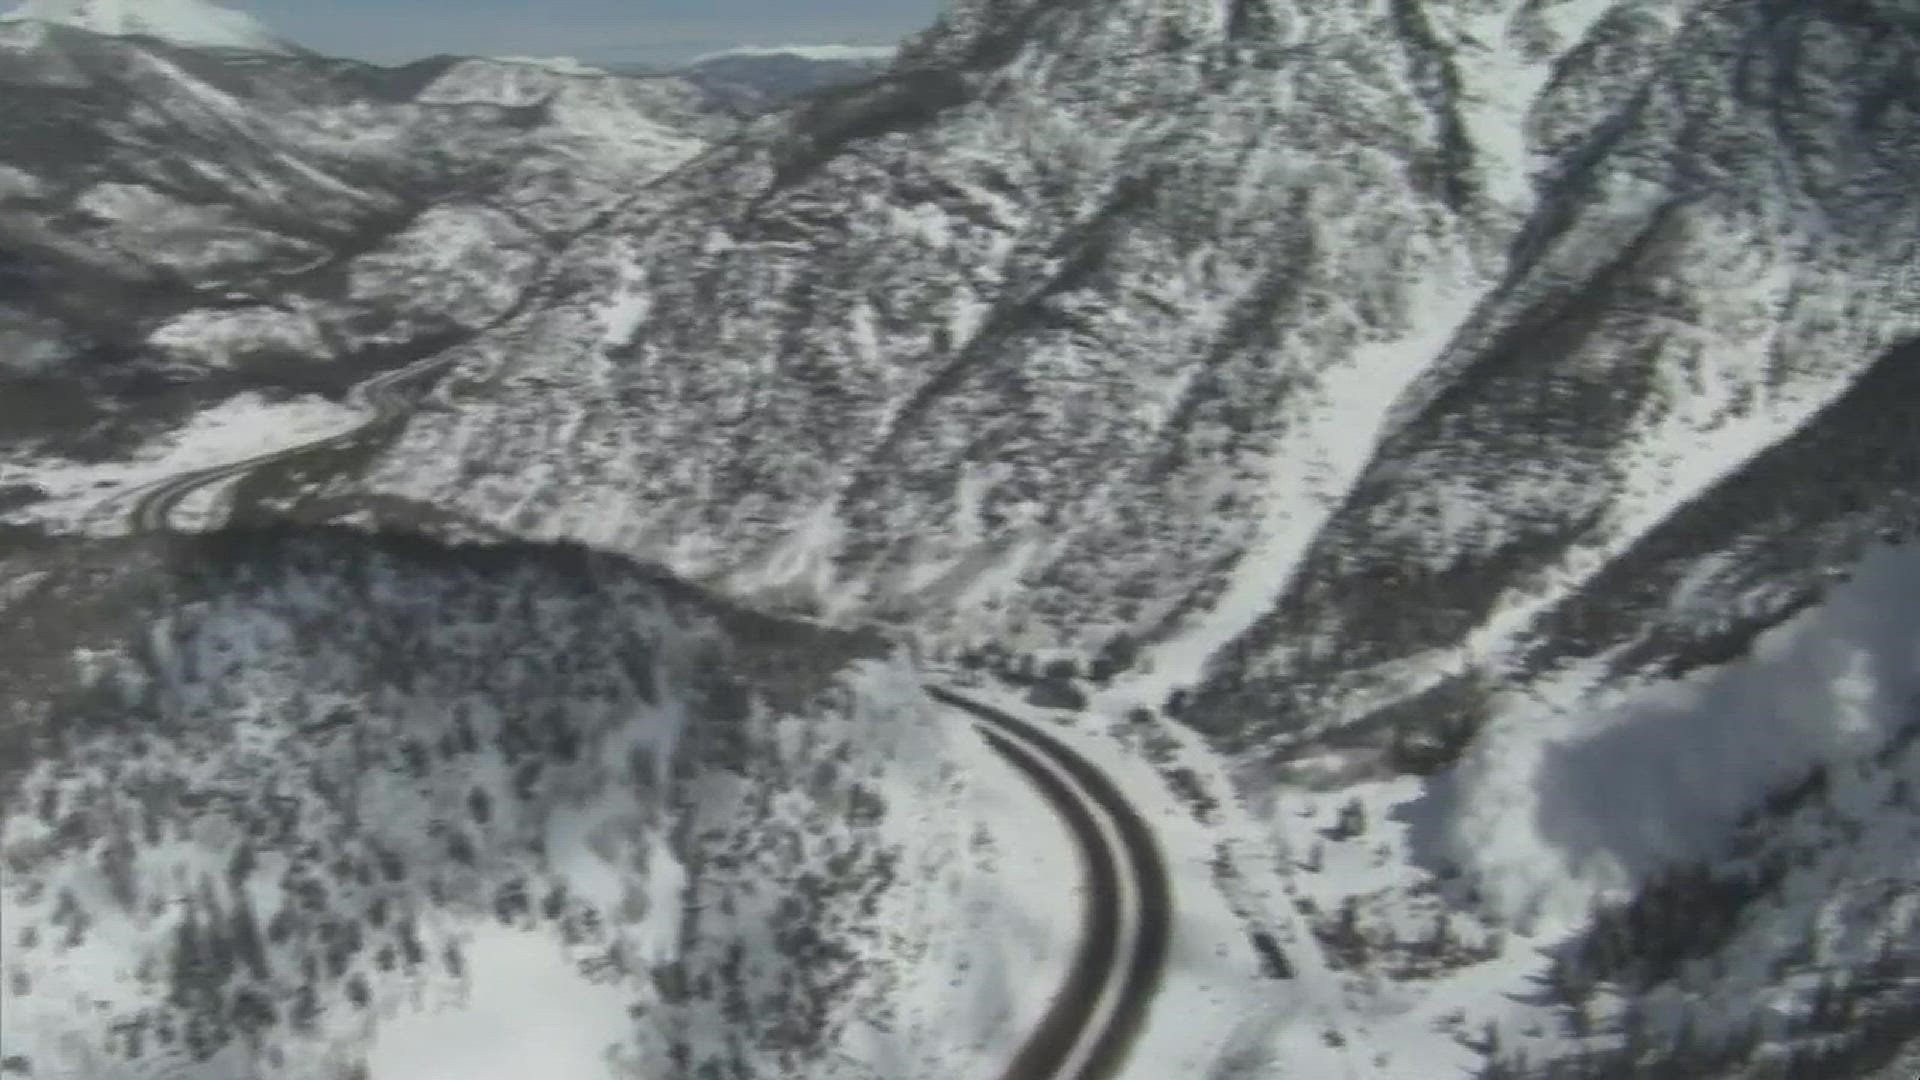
[[139, 223], [623, 316], [1319, 459], [998, 929], [1500, 87], [803, 559], [220, 337], [530, 1013]]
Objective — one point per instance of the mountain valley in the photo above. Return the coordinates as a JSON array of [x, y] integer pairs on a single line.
[[1450, 465]]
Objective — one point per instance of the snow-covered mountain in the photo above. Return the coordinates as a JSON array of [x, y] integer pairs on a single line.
[[559, 65], [846, 54], [218, 219], [1337, 375], [1457, 451], [756, 78], [1331, 360], [182, 22]]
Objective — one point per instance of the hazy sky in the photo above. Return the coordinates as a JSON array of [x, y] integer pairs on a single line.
[[600, 30]]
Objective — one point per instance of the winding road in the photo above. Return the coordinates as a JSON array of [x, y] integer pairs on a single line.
[[1094, 1016], [153, 506], [1127, 923]]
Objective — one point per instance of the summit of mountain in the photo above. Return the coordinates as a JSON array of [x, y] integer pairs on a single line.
[[198, 23]]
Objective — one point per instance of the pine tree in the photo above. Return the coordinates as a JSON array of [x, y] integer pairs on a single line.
[[412, 952], [242, 865], [480, 805], [247, 944], [188, 962], [117, 865], [217, 948], [253, 1012], [305, 1010]]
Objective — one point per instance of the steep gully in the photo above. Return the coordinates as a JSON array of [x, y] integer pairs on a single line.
[[1101, 1006]]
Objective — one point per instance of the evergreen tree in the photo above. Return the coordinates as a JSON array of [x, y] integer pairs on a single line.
[[304, 1013], [247, 944], [188, 962]]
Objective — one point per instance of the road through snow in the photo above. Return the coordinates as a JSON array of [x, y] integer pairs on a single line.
[[1125, 928], [153, 506]]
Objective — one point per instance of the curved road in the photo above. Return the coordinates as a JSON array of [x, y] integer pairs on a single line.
[[1096, 1013], [153, 506], [1091, 1024]]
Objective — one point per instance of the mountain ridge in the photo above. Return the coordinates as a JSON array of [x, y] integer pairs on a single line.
[[1420, 450], [199, 23]]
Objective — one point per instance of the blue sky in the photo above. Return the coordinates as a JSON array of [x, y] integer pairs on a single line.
[[659, 31]]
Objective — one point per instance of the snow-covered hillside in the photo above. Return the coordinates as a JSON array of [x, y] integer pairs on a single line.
[[211, 220], [1334, 376], [1432, 437], [301, 804], [1705, 878], [1329, 359], [182, 22]]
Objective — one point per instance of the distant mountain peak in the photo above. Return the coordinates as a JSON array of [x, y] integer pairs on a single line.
[[817, 53], [183, 22], [559, 65]]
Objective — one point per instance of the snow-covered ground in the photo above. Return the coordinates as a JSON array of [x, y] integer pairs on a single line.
[[1419, 915], [1320, 458], [867, 866], [91, 495], [530, 1012], [138, 223], [455, 265], [1335, 924], [1215, 1004], [222, 337]]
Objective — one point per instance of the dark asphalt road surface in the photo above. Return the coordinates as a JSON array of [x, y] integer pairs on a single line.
[[1073, 1041]]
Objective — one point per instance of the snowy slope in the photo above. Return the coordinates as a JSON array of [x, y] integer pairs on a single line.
[[1417, 426], [183, 22], [302, 803], [210, 220], [1332, 358], [1342, 378], [1706, 878]]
